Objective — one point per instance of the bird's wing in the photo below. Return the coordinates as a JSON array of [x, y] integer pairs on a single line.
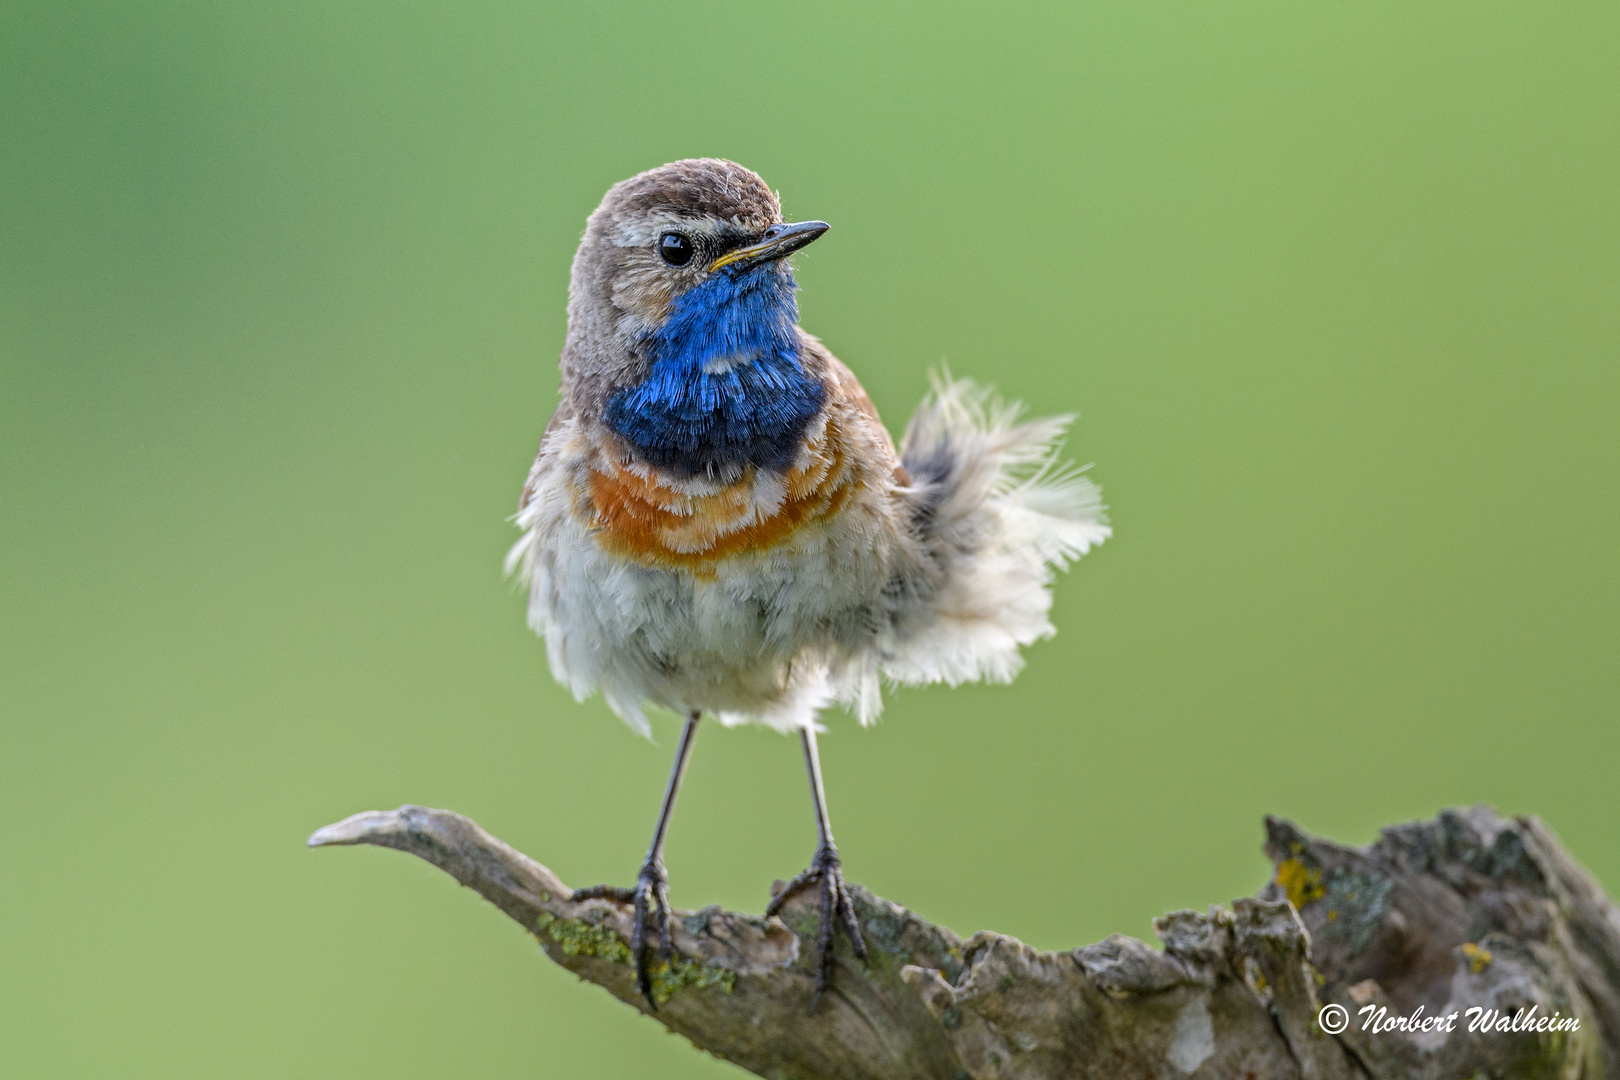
[[559, 420], [844, 382]]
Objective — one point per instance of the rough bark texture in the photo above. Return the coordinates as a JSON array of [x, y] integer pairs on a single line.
[[1467, 910]]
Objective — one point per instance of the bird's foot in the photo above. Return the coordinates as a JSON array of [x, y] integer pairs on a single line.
[[650, 897], [836, 909]]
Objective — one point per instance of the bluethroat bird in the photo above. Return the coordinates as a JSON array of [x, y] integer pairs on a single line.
[[717, 521]]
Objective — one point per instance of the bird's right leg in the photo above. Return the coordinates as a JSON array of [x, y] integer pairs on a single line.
[[650, 894]]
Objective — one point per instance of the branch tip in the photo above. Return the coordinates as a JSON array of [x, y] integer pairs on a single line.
[[362, 828]]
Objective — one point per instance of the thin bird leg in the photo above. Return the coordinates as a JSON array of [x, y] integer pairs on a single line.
[[650, 894], [825, 870]]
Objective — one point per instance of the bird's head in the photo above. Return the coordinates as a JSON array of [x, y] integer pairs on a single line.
[[681, 317]]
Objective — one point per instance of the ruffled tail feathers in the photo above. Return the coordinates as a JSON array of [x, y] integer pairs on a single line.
[[996, 513], [981, 479]]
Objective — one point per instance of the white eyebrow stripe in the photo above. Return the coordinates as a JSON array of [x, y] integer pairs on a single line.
[[647, 228]]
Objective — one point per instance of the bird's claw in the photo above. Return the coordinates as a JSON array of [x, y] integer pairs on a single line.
[[650, 897], [836, 910]]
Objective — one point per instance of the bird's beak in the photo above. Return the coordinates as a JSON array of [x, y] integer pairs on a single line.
[[778, 242]]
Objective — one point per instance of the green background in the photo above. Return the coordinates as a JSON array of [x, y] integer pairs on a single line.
[[1333, 286]]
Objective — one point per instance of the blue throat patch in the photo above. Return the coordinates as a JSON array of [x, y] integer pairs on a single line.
[[726, 386]]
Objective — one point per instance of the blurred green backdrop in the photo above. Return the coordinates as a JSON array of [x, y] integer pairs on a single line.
[[1333, 286]]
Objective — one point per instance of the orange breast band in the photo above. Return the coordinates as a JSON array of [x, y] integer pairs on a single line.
[[656, 520]]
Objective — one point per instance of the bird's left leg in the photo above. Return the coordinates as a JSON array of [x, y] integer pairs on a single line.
[[650, 894], [826, 871]]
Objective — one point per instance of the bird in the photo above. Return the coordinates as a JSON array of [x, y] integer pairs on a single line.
[[717, 522]]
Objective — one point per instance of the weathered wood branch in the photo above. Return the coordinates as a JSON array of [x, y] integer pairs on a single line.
[[1467, 911]]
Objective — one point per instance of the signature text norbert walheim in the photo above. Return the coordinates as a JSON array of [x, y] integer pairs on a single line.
[[1378, 1019]]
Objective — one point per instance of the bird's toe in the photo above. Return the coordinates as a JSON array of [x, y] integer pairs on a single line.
[[650, 898], [836, 909]]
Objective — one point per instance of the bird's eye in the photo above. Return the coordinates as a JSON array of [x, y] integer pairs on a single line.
[[676, 249]]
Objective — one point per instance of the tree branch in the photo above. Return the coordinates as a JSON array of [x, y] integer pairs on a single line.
[[1469, 910]]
